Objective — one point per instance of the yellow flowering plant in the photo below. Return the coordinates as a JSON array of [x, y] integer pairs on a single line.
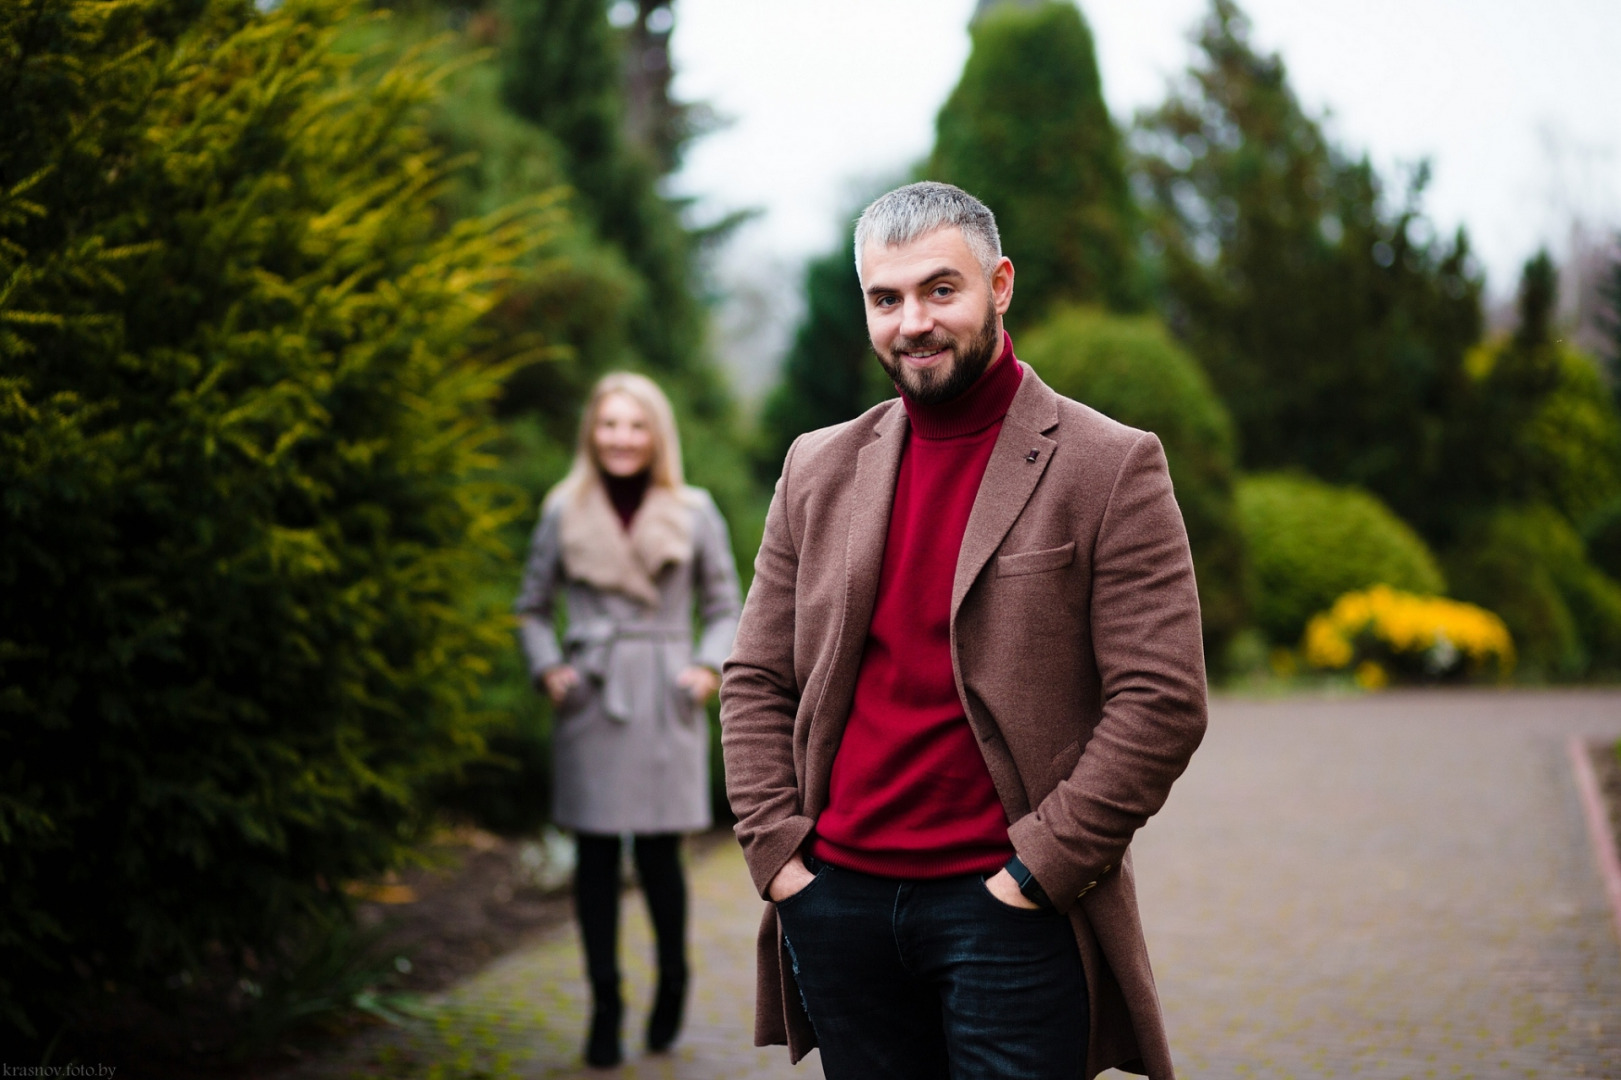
[[1381, 634]]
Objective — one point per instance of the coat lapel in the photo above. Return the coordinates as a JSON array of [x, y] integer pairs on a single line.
[[1010, 479], [872, 492]]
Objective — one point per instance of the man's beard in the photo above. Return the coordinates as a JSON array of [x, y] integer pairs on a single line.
[[933, 386]]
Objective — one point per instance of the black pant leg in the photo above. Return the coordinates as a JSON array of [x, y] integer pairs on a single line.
[[596, 905], [874, 1017], [658, 864], [664, 884]]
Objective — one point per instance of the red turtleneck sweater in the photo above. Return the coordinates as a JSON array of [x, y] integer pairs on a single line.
[[910, 796]]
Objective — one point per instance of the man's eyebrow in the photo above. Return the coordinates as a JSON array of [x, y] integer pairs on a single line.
[[933, 276]]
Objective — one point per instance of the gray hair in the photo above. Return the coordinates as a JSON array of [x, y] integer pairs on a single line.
[[918, 209]]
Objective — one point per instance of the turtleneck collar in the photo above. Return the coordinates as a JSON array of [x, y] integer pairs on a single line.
[[976, 408], [626, 493]]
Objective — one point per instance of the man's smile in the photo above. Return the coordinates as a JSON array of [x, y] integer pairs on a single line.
[[924, 353]]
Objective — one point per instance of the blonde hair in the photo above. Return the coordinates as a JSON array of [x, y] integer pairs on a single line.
[[665, 468]]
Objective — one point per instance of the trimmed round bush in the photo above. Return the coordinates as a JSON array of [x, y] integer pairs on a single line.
[[1131, 370], [1310, 543]]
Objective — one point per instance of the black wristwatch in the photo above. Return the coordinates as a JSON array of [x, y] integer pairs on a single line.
[[1027, 883]]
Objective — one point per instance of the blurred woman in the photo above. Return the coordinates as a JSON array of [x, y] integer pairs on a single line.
[[634, 553]]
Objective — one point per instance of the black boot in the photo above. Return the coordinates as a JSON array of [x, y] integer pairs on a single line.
[[668, 1004], [602, 1048]]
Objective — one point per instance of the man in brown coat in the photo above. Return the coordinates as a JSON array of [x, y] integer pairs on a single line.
[[968, 670]]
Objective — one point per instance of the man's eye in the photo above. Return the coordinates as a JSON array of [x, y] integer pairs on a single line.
[[887, 301], [943, 290]]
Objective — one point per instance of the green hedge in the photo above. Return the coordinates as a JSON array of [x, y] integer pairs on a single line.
[[1602, 532], [1529, 566], [1129, 369], [241, 439], [1311, 542]]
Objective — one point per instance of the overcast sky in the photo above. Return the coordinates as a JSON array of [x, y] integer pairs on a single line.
[[1517, 105]]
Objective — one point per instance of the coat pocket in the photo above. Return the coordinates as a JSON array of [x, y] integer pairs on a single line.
[[1035, 562], [683, 705], [1063, 763]]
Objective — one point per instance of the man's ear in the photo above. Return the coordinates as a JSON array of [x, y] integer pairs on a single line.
[[1002, 285]]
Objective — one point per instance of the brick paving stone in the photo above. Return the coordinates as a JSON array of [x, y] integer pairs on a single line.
[[525, 1015], [1389, 886], [1384, 887]]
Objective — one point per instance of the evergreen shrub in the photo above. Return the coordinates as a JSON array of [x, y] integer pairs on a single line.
[[1533, 424], [1310, 543], [1602, 532], [1529, 565], [242, 418], [1571, 445], [619, 288], [1129, 369]]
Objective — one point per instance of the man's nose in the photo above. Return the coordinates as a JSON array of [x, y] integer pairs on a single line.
[[916, 320]]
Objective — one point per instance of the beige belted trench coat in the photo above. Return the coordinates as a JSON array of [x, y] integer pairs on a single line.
[[630, 748]]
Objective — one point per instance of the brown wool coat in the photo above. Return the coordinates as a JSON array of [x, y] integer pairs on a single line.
[[1077, 654]]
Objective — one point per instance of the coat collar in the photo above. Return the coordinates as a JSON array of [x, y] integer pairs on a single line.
[[1010, 480], [872, 493], [598, 550]]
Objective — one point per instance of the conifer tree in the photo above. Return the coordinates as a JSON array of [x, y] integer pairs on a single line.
[[562, 71], [242, 392], [1331, 322], [830, 374], [1027, 132]]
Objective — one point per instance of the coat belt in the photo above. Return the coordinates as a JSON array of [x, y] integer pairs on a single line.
[[627, 686]]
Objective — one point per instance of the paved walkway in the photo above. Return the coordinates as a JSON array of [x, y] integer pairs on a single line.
[[1381, 887]]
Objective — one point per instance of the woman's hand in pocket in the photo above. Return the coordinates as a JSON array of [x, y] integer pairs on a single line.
[[700, 682], [559, 681]]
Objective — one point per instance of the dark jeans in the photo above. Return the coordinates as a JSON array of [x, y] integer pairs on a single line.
[[934, 979]]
